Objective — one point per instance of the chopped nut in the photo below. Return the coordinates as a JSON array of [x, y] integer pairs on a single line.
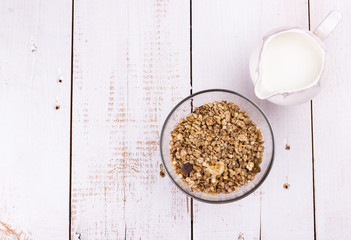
[[162, 171], [250, 166]]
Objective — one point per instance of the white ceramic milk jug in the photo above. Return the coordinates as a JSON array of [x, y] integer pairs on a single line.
[[287, 66]]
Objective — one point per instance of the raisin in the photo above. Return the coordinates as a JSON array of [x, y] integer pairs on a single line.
[[187, 167]]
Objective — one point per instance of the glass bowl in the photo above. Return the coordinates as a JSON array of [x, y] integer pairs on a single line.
[[255, 113]]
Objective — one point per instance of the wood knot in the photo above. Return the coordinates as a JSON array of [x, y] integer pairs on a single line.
[[286, 186], [77, 236], [287, 147], [34, 47], [241, 236]]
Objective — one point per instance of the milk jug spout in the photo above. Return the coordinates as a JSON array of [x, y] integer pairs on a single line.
[[261, 92]]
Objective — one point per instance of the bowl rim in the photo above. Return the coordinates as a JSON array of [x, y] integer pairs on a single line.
[[265, 174]]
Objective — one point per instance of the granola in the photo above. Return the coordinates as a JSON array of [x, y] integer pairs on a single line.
[[217, 148]]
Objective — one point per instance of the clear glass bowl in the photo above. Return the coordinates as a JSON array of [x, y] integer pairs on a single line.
[[255, 113]]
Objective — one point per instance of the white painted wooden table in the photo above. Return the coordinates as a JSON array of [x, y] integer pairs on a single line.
[[86, 85]]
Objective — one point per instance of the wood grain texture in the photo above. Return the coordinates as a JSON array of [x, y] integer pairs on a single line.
[[331, 118], [131, 66], [35, 46], [224, 34]]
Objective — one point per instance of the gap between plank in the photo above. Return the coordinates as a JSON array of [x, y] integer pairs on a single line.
[[313, 182], [191, 220], [70, 129], [312, 138], [260, 233], [191, 47], [191, 92]]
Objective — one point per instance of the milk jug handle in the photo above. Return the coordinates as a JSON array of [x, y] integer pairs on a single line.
[[327, 26]]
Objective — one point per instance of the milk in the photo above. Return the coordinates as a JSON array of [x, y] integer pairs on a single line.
[[286, 67], [290, 61]]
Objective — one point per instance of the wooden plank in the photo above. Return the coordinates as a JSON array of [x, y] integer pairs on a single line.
[[131, 66], [331, 118], [35, 46], [159, 78], [224, 34]]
